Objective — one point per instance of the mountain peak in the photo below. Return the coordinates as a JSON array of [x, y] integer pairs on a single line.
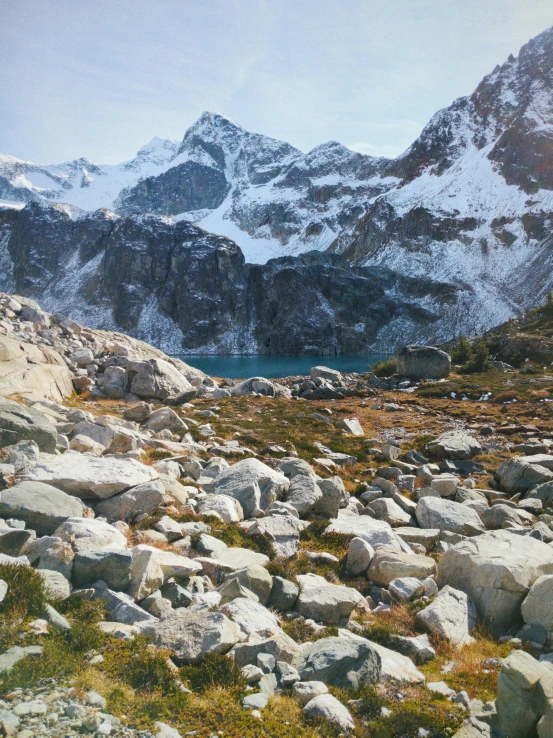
[[213, 126]]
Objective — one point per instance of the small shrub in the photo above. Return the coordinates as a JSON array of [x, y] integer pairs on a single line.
[[480, 362], [26, 597], [58, 659], [385, 368], [462, 353], [139, 666], [301, 631], [215, 671]]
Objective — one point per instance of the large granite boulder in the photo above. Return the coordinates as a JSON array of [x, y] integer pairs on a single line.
[[259, 386], [342, 662], [519, 474], [438, 513], [537, 607], [140, 500], [41, 506], [303, 492], [111, 565], [496, 570], [255, 578], [283, 532], [254, 484], [157, 379], [90, 477], [454, 444], [451, 615], [252, 617], [85, 534], [151, 567], [423, 362], [226, 508], [325, 602], [327, 707], [388, 564], [192, 635], [520, 699], [21, 423]]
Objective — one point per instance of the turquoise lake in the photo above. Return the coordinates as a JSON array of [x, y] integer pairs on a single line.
[[242, 367]]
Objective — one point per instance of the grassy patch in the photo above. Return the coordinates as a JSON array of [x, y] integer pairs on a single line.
[[26, 597], [468, 671], [399, 620], [215, 671], [301, 631], [416, 708]]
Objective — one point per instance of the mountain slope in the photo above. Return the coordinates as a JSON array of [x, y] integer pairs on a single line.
[[475, 203], [187, 290]]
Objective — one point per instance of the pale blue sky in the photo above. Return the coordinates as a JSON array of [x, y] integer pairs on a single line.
[[100, 78]]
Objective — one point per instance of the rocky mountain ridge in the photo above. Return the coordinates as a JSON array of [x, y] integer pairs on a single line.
[[469, 204], [178, 287]]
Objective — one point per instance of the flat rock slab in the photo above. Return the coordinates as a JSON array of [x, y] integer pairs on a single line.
[[89, 477], [376, 532], [42, 506], [239, 558], [445, 515], [454, 444], [22, 423]]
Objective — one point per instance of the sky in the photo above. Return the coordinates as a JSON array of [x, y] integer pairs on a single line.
[[101, 78]]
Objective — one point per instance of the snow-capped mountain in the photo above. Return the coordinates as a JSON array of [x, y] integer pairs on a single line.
[[469, 204], [266, 195], [475, 200]]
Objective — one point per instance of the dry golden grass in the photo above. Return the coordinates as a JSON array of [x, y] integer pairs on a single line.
[[468, 671]]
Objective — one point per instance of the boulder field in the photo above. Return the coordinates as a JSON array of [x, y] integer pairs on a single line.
[[291, 561]]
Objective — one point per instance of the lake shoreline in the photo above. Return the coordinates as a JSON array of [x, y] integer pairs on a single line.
[[243, 366]]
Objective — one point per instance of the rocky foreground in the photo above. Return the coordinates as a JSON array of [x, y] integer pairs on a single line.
[[322, 555]]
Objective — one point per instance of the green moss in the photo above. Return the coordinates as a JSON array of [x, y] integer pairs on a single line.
[[418, 709]]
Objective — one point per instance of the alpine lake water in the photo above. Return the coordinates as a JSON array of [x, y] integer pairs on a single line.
[[272, 367]]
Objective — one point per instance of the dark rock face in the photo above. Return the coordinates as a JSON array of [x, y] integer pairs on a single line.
[[189, 186], [186, 290]]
